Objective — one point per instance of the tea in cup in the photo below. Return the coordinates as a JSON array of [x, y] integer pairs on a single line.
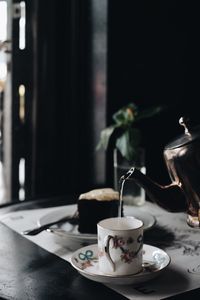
[[120, 244]]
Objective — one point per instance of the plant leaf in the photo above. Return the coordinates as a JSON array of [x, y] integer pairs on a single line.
[[128, 143], [149, 112], [126, 137], [105, 137], [126, 115]]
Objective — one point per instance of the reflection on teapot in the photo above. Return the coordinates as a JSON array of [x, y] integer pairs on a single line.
[[182, 157]]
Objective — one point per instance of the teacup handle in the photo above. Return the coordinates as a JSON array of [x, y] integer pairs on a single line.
[[108, 238]]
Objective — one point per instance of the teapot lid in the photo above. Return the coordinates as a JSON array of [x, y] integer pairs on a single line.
[[189, 136]]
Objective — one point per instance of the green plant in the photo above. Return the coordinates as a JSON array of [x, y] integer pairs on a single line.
[[127, 137]]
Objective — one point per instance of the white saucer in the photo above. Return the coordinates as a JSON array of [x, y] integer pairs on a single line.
[[68, 232], [155, 261]]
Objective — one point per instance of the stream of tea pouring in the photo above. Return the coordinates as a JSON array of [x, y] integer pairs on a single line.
[[122, 181]]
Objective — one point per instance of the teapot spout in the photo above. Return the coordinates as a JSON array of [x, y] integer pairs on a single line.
[[169, 197]]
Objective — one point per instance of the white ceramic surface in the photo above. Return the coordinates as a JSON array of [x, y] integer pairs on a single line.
[[120, 242], [85, 261]]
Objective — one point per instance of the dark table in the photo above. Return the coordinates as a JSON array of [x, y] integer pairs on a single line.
[[29, 272]]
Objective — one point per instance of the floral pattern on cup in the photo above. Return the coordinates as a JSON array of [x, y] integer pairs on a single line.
[[118, 242], [127, 255]]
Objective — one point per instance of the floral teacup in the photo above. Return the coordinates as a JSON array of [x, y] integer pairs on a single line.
[[120, 243]]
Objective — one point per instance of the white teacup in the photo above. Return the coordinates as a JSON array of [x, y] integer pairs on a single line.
[[120, 243]]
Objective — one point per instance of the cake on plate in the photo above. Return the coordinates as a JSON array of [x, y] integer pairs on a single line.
[[96, 205]]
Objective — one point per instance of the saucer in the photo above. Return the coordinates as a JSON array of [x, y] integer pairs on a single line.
[[155, 261], [68, 232]]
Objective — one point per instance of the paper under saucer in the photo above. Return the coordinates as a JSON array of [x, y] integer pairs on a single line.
[[155, 260]]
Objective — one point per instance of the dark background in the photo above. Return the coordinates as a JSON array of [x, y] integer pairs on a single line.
[[152, 58]]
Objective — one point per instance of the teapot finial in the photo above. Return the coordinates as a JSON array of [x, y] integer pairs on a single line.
[[185, 122]]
